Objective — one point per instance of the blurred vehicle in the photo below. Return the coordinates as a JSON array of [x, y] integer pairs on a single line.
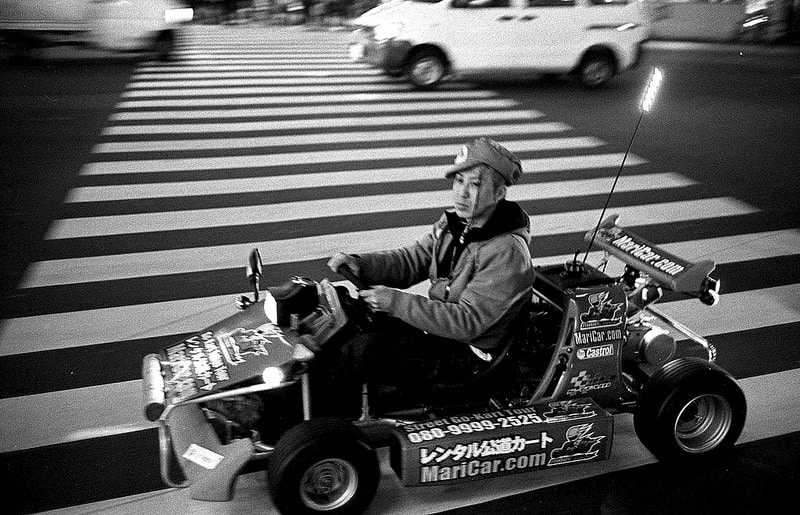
[[427, 40], [120, 25]]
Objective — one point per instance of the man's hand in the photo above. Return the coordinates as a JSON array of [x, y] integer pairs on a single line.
[[378, 298], [340, 259]]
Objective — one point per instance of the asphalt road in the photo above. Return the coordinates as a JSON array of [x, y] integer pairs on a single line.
[[727, 116], [727, 120], [52, 111]]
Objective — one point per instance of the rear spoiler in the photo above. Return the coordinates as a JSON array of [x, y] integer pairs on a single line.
[[668, 270]]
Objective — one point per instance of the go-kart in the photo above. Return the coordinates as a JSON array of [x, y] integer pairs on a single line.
[[236, 397]]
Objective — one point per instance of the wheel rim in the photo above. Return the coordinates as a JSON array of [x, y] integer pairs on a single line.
[[596, 72], [427, 71], [328, 484], [703, 423]]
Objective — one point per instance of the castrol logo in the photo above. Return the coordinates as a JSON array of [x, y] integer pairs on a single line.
[[600, 351]]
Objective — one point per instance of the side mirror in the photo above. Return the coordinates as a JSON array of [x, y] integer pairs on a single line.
[[255, 271], [709, 294]]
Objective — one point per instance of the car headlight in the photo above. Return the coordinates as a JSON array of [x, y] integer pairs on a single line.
[[272, 376], [178, 15], [387, 31]]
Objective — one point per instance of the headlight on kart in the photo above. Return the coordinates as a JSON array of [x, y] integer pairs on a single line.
[[272, 376], [270, 307], [387, 31]]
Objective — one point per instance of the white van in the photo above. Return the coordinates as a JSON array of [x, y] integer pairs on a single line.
[[119, 25], [427, 40]]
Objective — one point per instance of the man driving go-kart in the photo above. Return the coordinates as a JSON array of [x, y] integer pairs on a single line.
[[478, 261], [502, 368]]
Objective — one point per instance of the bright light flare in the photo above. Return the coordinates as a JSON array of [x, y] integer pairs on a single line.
[[270, 307], [272, 376], [183, 15], [755, 21], [652, 90]]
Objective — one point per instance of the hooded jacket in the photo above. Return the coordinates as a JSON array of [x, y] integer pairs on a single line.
[[478, 300]]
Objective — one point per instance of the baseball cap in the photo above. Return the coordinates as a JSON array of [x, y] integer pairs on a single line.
[[487, 151]]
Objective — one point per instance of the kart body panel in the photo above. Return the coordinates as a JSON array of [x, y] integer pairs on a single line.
[[669, 270], [224, 355], [480, 445]]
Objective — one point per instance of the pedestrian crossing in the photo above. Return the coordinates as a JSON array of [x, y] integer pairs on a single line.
[[274, 139]]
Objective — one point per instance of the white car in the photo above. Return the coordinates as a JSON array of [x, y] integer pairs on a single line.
[[427, 40], [119, 25]]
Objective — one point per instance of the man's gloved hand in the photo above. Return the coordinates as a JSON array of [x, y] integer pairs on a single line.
[[340, 259]]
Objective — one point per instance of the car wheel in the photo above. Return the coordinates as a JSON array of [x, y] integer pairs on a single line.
[[323, 465], [690, 408], [596, 69], [426, 69]]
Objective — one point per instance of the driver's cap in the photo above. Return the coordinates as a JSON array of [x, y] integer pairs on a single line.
[[487, 151]]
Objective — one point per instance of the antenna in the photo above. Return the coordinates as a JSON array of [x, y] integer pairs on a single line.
[[648, 100]]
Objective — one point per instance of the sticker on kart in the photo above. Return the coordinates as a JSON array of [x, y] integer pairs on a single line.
[[671, 271], [220, 357], [463, 448]]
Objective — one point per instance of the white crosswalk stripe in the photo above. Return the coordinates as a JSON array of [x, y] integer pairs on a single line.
[[264, 72], [289, 87], [316, 110], [341, 122], [185, 116], [166, 145], [322, 99]]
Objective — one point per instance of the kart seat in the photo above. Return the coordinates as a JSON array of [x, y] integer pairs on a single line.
[[484, 377], [478, 388]]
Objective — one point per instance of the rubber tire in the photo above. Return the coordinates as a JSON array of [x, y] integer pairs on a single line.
[[435, 69], [596, 69], [313, 442], [673, 388]]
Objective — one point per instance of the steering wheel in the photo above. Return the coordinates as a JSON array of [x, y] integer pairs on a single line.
[[372, 317], [348, 274]]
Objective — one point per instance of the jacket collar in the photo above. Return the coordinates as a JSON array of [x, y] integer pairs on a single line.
[[507, 217]]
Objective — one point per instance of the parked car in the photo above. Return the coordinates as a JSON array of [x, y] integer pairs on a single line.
[[427, 40]]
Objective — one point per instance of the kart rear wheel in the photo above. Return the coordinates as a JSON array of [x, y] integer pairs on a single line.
[[323, 465], [426, 69], [688, 409]]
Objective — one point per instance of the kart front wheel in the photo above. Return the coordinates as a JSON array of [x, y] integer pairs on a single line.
[[323, 465], [690, 408]]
